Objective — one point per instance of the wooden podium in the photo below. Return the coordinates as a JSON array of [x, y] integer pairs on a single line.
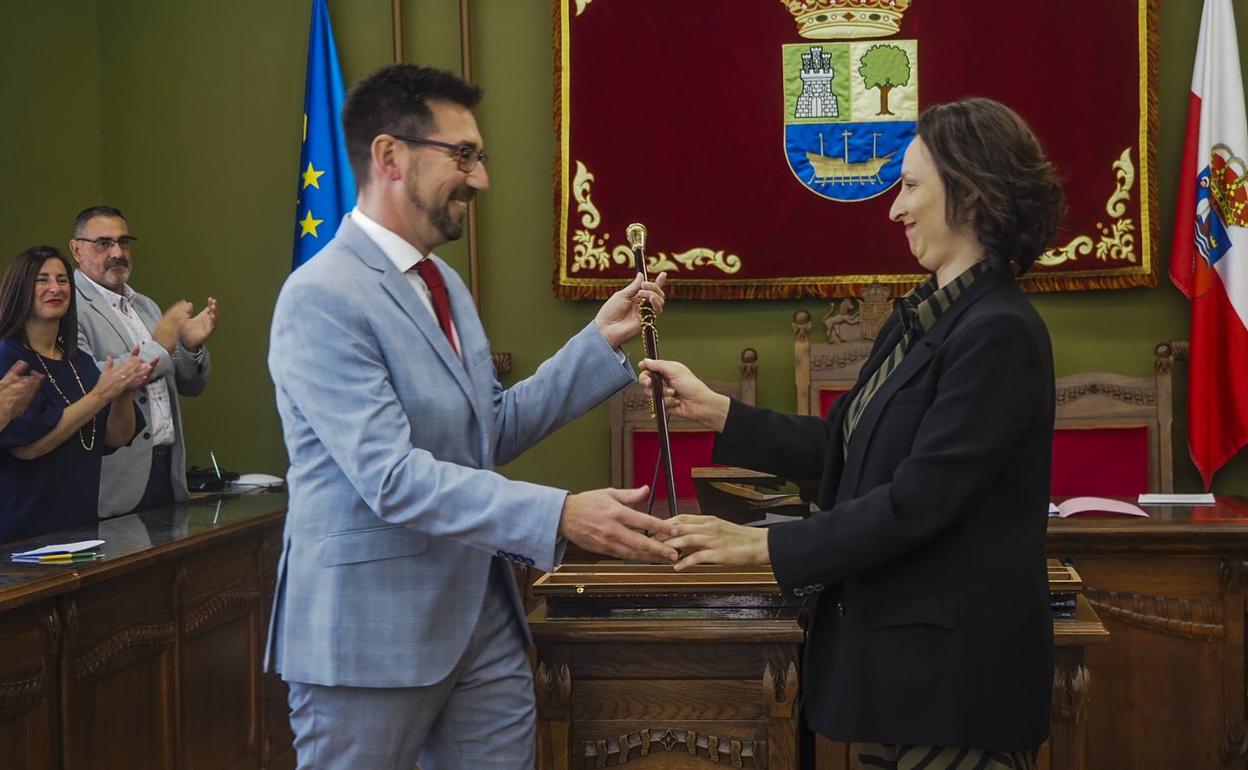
[[642, 666]]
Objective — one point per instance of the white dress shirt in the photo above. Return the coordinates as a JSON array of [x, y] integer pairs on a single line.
[[404, 256], [158, 395]]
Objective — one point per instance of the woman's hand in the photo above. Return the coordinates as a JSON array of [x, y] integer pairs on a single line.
[[685, 395], [17, 390], [122, 376], [708, 540], [619, 318]]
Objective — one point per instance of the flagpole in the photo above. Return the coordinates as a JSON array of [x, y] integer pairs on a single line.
[[396, 7], [465, 65]]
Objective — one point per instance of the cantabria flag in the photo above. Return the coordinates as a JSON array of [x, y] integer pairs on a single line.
[[1209, 257]]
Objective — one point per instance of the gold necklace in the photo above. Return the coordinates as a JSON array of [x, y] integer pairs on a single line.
[[55, 384]]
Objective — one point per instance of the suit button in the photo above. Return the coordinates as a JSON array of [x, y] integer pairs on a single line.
[[147, 435], [142, 399]]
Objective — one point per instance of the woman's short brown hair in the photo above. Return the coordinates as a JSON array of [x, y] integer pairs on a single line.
[[997, 179]]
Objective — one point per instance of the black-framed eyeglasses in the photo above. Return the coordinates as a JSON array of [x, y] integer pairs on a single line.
[[105, 245], [466, 156]]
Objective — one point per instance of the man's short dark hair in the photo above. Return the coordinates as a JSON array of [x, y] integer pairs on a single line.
[[395, 100], [91, 212]]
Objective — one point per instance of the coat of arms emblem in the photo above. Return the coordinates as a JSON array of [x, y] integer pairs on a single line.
[[849, 107]]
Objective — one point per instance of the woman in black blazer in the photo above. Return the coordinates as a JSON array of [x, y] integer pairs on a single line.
[[930, 638]]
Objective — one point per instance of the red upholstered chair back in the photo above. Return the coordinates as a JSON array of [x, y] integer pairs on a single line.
[[1112, 433], [826, 363], [635, 444]]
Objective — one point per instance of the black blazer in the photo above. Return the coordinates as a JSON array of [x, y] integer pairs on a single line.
[[925, 570]]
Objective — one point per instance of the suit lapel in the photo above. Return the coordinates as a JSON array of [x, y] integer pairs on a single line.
[[916, 361], [99, 306], [396, 285]]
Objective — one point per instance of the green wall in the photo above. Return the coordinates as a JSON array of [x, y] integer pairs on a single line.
[[186, 115]]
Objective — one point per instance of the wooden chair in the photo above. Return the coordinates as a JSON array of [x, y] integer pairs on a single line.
[[827, 370], [635, 446], [1113, 433]]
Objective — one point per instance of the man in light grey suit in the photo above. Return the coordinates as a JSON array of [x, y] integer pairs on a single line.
[[396, 623], [114, 319]]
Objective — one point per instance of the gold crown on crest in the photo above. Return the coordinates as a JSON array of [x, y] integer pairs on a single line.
[[831, 19]]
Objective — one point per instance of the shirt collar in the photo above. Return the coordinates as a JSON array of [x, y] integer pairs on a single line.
[[110, 296], [921, 308], [403, 254]]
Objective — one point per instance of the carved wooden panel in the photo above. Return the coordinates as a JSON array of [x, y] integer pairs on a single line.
[[118, 682], [29, 729], [1168, 687], [682, 746], [220, 606], [679, 702]]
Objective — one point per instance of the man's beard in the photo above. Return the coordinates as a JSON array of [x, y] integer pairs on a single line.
[[116, 269], [441, 217]]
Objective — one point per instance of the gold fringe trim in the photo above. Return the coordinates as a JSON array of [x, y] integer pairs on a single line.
[[745, 290], [1154, 128]]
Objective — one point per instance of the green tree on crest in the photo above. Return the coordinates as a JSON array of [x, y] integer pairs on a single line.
[[884, 67]]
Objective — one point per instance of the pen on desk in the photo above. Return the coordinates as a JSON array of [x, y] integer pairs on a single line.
[[58, 558], [215, 467]]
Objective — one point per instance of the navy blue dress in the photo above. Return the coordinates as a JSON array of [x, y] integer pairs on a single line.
[[61, 489]]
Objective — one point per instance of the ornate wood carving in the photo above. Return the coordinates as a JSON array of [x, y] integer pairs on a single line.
[[823, 361], [780, 689], [801, 326], [1233, 576], [91, 664], [1190, 617], [51, 625], [636, 401], [749, 364], [1166, 353], [22, 690], [1234, 742], [554, 691], [726, 750], [1070, 692], [243, 597], [1128, 395]]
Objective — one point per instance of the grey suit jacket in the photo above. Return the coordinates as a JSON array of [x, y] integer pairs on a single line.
[[101, 334], [396, 516]]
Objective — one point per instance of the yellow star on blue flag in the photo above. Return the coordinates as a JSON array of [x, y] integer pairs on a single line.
[[326, 186]]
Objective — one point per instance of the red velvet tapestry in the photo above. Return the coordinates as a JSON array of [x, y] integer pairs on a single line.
[[760, 141]]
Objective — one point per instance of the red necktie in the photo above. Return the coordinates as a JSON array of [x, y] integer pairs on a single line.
[[432, 277]]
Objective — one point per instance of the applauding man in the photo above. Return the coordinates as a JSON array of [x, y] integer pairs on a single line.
[[112, 319]]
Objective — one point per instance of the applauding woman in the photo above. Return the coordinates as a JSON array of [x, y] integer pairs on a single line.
[[930, 643], [50, 453]]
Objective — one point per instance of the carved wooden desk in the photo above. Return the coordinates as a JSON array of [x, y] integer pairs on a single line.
[[150, 657], [708, 672], [1169, 687], [700, 675]]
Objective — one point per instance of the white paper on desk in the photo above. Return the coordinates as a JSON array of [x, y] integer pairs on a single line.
[[48, 550], [772, 518], [1198, 499]]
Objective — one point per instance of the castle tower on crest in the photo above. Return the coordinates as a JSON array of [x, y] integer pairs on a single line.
[[817, 99]]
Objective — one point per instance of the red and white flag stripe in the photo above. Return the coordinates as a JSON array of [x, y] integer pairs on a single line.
[[1209, 256]]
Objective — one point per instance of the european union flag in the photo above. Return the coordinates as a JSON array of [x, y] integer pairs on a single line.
[[326, 185]]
